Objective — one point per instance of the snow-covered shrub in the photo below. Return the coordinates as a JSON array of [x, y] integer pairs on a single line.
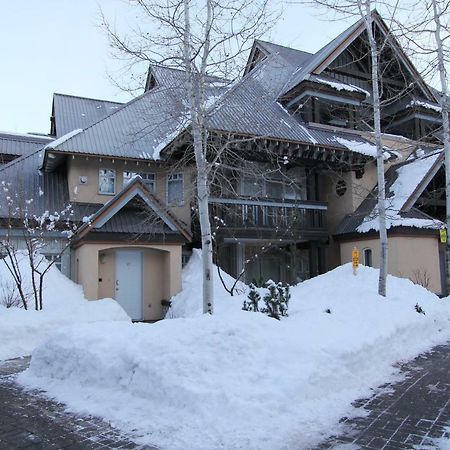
[[253, 298], [276, 300]]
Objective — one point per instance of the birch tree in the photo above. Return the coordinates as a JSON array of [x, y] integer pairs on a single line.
[[363, 10], [427, 32], [203, 38]]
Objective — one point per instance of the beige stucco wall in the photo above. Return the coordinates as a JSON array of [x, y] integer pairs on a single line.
[[88, 193], [407, 256], [161, 273]]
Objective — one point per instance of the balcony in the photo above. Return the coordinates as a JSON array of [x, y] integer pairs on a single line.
[[266, 218]]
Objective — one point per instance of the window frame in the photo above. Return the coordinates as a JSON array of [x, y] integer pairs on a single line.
[[368, 251], [115, 181], [168, 180]]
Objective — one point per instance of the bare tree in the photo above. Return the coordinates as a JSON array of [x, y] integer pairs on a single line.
[[30, 231], [363, 9], [202, 38], [427, 32]]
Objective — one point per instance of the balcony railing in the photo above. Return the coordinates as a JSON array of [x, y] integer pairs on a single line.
[[268, 215]]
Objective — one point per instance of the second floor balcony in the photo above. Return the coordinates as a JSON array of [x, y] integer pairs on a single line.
[[265, 218]]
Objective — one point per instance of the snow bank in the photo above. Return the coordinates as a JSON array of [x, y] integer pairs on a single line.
[[64, 304], [240, 380]]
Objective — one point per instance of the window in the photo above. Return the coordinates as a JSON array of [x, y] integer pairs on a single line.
[[107, 181], [341, 188], [147, 178], [175, 189], [368, 257]]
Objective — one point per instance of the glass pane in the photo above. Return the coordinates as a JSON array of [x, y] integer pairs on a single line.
[[175, 189]]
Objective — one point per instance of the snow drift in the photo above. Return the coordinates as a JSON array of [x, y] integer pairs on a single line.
[[63, 304], [240, 380]]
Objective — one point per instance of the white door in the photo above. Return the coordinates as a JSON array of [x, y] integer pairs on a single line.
[[129, 282]]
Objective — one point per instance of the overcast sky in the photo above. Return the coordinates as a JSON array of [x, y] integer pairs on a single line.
[[49, 46]]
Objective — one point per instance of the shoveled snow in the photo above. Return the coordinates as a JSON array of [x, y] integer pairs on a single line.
[[409, 176], [363, 148], [240, 380], [64, 304], [62, 139]]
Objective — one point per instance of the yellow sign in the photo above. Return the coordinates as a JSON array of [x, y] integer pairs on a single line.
[[443, 234], [355, 258]]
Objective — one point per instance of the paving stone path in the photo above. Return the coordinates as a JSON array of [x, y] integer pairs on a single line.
[[30, 421], [410, 414]]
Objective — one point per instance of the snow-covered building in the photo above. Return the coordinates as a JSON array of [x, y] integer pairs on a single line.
[[301, 199]]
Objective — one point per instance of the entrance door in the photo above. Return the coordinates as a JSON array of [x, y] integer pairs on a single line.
[[129, 282]]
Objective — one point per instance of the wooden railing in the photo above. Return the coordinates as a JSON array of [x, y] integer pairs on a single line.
[[268, 215]]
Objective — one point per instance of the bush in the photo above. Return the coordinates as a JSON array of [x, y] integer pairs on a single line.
[[253, 300], [9, 295], [276, 300]]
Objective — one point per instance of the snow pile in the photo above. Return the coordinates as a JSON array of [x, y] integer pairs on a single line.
[[63, 304], [240, 380], [409, 176]]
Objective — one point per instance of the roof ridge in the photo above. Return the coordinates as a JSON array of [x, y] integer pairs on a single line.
[[88, 98], [17, 138], [284, 46]]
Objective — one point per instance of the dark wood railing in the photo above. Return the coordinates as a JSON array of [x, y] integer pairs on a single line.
[[268, 215]]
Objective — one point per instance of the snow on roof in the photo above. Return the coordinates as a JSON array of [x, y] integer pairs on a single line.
[[339, 86], [62, 139], [424, 104], [364, 148], [409, 176]]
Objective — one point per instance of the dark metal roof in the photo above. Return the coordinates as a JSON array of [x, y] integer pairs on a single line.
[[135, 222], [32, 190], [292, 56], [71, 112], [367, 209], [21, 144]]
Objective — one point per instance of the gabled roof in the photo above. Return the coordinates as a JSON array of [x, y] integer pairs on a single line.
[[112, 216], [292, 56], [327, 54], [71, 112], [404, 184]]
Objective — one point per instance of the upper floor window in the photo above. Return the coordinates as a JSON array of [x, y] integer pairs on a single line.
[[147, 178], [175, 194], [367, 257], [273, 188], [107, 181]]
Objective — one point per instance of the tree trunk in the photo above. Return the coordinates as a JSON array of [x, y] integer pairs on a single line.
[[380, 159], [445, 125], [205, 225]]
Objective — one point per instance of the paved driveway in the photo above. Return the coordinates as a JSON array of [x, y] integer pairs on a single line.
[[29, 421], [410, 414]]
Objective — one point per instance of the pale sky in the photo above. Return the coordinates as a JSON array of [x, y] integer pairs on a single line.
[[49, 46]]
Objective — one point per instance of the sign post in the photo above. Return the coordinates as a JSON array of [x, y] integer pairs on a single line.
[[355, 260]]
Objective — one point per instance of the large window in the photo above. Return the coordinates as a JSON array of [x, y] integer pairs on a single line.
[[175, 189], [147, 178], [107, 181], [271, 188]]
